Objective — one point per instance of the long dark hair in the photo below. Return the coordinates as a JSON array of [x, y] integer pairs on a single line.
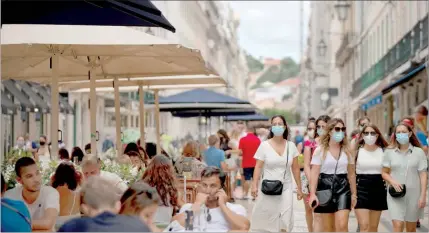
[[66, 174], [286, 132], [77, 152], [224, 135], [413, 139], [381, 142]]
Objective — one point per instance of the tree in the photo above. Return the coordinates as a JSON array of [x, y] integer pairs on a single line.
[[288, 68], [254, 64]]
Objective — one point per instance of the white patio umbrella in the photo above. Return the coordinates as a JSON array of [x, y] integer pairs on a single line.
[[54, 53], [149, 83]]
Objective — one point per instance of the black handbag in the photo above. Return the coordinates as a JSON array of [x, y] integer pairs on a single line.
[[275, 187], [396, 194], [325, 196]]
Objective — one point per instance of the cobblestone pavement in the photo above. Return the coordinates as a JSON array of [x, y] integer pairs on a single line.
[[300, 224]]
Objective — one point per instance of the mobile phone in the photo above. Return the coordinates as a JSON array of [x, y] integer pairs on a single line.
[[313, 204]]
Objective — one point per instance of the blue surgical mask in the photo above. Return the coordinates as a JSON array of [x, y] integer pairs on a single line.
[[338, 136], [277, 130], [402, 138], [320, 131]]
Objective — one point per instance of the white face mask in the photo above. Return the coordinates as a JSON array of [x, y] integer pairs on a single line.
[[310, 133], [370, 140]]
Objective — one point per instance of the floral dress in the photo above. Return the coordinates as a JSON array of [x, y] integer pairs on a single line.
[[304, 181]]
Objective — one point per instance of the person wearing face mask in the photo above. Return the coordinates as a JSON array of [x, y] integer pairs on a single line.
[[361, 122], [308, 147], [332, 178], [404, 169], [275, 158], [314, 220], [43, 154], [371, 190]]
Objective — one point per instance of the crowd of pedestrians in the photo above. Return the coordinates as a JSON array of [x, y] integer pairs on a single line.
[[369, 173]]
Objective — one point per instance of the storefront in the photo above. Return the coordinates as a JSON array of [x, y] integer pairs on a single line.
[[403, 96]]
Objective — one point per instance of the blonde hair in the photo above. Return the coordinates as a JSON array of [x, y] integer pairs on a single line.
[[326, 138], [89, 159], [213, 139]]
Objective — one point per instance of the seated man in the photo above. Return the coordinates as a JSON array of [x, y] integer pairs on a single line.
[[101, 204], [91, 167], [43, 201], [210, 212], [15, 216]]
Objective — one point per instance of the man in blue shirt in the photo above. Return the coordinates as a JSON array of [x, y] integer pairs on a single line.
[[215, 157], [101, 204], [15, 216]]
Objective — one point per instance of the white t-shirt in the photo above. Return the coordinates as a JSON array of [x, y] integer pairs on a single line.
[[329, 163], [115, 179], [218, 223], [275, 165], [369, 162], [48, 198]]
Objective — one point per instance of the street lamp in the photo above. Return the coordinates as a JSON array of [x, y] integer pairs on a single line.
[[342, 8], [321, 48]]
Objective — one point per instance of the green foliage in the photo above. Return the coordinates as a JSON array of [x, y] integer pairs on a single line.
[[254, 64], [288, 68], [290, 116]]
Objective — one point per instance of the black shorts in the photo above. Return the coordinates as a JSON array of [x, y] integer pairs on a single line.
[[341, 194], [248, 173], [371, 192]]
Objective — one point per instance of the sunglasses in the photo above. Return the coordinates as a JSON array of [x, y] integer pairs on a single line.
[[369, 133], [308, 129], [338, 129]]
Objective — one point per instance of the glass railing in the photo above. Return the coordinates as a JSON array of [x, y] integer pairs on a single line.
[[424, 32], [396, 56]]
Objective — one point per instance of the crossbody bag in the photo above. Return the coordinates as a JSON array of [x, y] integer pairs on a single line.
[[325, 196], [275, 187]]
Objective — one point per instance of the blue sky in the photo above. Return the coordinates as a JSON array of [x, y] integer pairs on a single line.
[[271, 28]]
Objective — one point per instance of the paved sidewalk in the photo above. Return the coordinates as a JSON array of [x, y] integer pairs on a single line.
[[300, 224]]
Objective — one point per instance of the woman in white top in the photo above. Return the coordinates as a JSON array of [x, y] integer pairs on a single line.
[[371, 190], [404, 165], [66, 181], [43, 154], [332, 175], [274, 159]]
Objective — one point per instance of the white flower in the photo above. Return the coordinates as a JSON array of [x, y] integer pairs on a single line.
[[134, 171]]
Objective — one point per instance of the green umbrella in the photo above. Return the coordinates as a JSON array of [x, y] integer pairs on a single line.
[[130, 135]]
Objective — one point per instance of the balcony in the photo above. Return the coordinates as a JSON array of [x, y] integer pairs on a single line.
[[404, 50]]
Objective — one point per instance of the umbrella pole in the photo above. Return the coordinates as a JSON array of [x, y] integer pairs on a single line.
[[118, 118], [54, 105], [142, 118], [93, 111], [158, 134]]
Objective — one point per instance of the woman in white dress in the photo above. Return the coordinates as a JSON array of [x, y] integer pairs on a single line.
[[43, 154], [274, 160]]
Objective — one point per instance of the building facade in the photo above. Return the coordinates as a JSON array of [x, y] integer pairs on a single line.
[[380, 60], [376, 51]]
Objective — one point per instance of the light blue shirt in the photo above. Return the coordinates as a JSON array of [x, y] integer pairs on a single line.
[[214, 157]]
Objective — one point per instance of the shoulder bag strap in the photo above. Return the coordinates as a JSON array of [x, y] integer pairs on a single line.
[[336, 165], [287, 159], [16, 211]]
